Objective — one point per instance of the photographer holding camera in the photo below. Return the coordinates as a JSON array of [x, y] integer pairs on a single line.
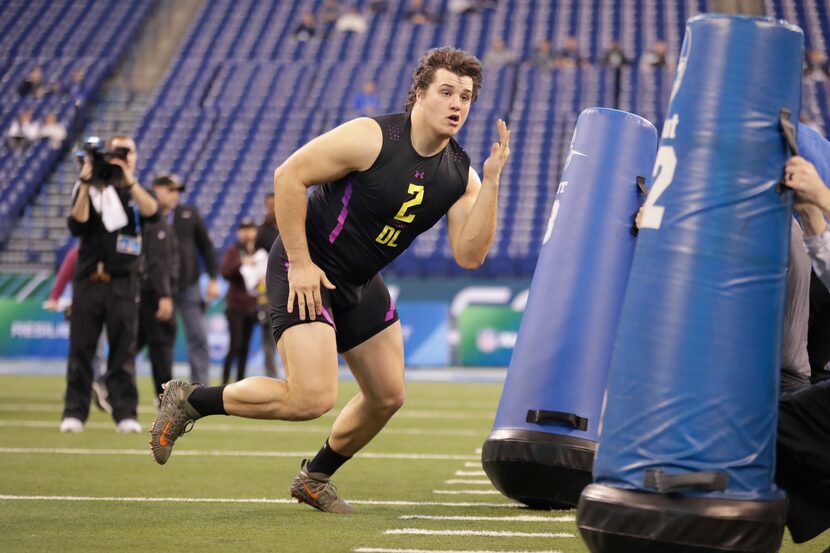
[[108, 210]]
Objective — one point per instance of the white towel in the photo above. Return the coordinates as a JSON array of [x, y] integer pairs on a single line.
[[254, 273], [108, 204]]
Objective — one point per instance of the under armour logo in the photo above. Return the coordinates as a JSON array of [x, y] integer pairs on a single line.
[[419, 174]]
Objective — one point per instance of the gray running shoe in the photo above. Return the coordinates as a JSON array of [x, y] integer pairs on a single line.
[[175, 414], [320, 494]]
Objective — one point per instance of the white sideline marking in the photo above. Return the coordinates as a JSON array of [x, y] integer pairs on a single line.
[[484, 533], [57, 407], [473, 465], [251, 428], [245, 500], [520, 518], [478, 450], [470, 472], [466, 481], [465, 492], [214, 453], [388, 550]]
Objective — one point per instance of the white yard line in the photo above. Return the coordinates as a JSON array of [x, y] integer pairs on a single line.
[[473, 465], [391, 550], [470, 472], [467, 492], [229, 453], [297, 428], [482, 533], [519, 518], [142, 499], [6, 497], [465, 481], [57, 407]]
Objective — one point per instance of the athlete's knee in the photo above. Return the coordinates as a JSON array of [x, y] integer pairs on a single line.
[[391, 401], [314, 405]]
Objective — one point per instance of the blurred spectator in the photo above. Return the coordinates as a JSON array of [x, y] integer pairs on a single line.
[[542, 55], [241, 299], [656, 58], [23, 130], [569, 56], [815, 65], [462, 7], [54, 131], [498, 55], [76, 89], [156, 317], [307, 27], [417, 13], [378, 6], [614, 57], [266, 234], [330, 12], [268, 231], [351, 21], [193, 242], [366, 102], [33, 84], [808, 121]]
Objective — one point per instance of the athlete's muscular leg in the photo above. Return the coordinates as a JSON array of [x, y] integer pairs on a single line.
[[309, 353], [377, 364]]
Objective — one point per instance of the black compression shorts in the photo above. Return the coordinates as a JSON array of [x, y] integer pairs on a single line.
[[355, 312]]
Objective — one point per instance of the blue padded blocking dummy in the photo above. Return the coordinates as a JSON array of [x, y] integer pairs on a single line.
[[685, 460], [541, 450]]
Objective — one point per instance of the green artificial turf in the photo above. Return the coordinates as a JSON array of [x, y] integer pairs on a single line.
[[227, 458]]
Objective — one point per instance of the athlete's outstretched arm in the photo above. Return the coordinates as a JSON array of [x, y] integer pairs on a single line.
[[471, 221], [353, 146]]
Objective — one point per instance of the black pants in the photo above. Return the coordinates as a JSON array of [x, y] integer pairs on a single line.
[[94, 306], [158, 336], [818, 337], [241, 326], [803, 459]]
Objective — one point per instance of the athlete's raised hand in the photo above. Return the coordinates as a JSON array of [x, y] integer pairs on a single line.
[[499, 153], [304, 284]]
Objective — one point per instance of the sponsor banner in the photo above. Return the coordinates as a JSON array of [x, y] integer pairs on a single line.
[[471, 289], [28, 330], [425, 326], [488, 335]]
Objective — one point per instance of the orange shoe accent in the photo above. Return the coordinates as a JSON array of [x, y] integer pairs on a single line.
[[163, 438], [313, 495]]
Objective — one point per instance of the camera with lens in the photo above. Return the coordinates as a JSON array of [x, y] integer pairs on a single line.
[[104, 172]]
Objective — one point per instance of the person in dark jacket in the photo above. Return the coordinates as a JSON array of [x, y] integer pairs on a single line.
[[157, 321], [266, 234], [241, 299], [193, 242]]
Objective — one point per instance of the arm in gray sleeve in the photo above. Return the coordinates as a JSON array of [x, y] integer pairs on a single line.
[[819, 249]]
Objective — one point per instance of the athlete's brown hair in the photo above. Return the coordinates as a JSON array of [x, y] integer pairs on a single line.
[[453, 60]]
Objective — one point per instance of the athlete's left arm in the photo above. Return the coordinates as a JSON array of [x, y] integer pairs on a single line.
[[471, 221]]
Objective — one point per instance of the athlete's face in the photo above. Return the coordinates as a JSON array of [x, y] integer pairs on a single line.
[[446, 103]]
